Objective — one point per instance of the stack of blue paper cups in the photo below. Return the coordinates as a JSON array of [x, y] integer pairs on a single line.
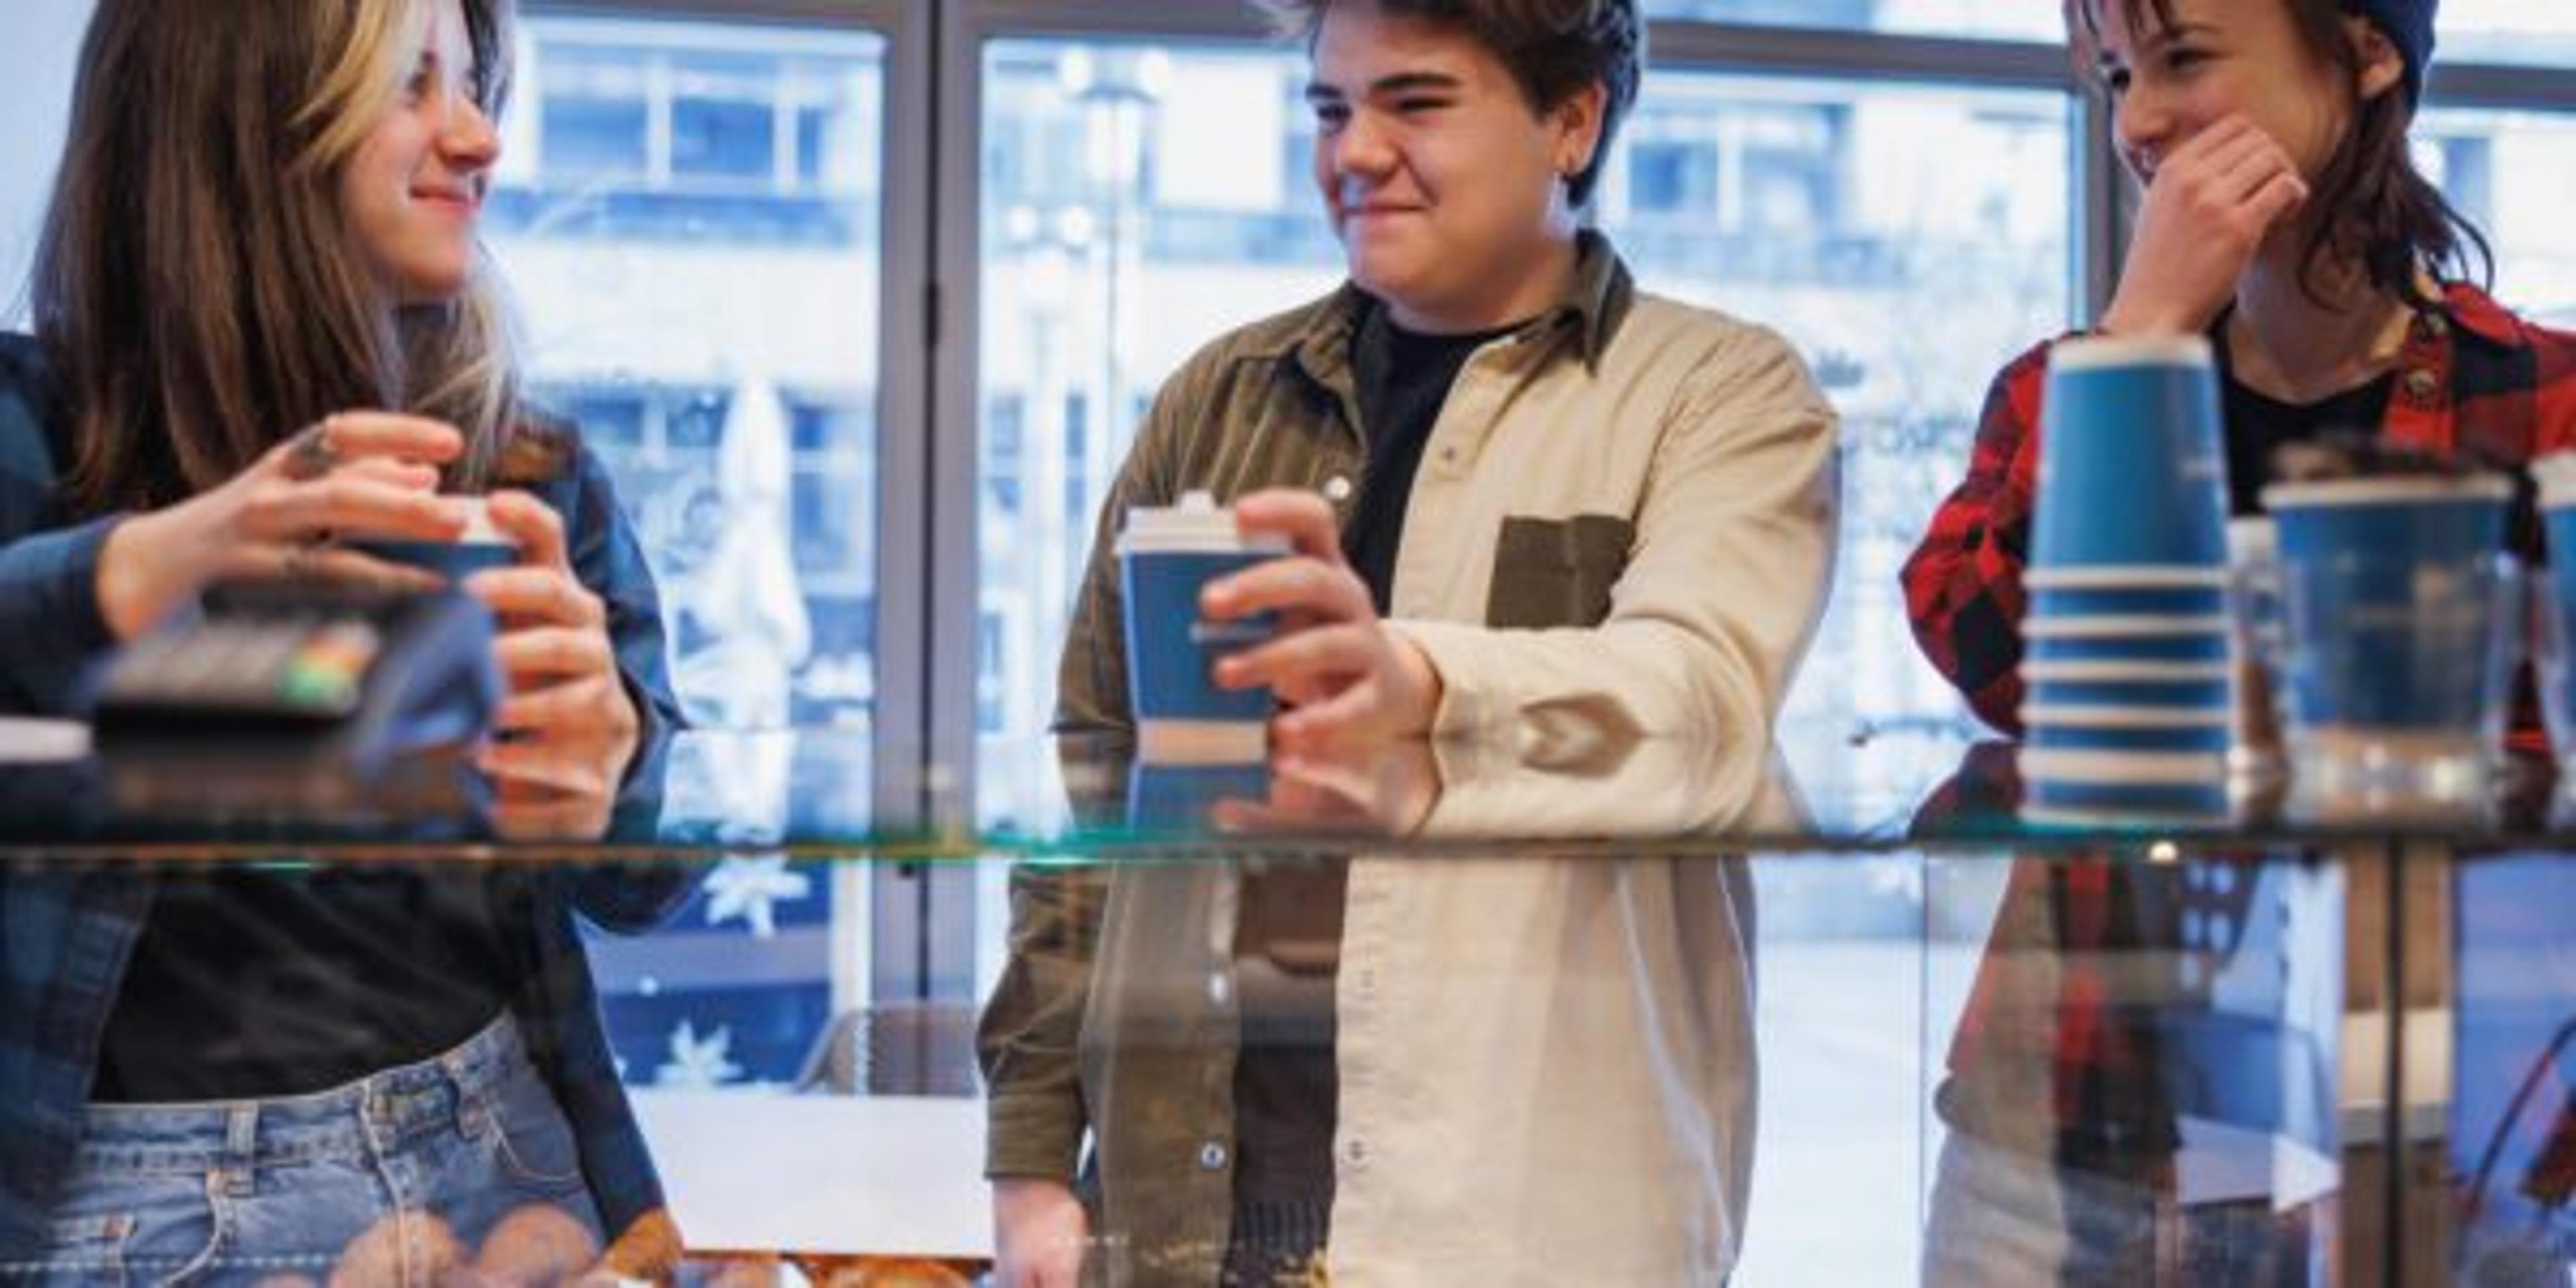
[[2129, 687]]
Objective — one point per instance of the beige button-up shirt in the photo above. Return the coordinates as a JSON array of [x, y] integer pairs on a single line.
[[1623, 526]]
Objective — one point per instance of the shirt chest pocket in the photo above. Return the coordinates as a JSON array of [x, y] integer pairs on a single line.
[[1551, 573]]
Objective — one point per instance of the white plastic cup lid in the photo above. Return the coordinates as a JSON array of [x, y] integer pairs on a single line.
[[479, 528], [2253, 539], [2124, 768], [2126, 577], [2104, 352], [2390, 489], [2145, 718], [2556, 475], [1196, 524], [2144, 626]]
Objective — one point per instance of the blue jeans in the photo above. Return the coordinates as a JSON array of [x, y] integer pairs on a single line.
[[459, 1163]]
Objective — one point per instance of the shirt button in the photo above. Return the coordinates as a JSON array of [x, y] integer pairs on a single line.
[[1212, 1157], [1355, 1153], [2421, 385]]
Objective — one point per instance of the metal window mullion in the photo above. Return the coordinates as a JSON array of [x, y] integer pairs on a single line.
[[2101, 222], [955, 191], [901, 945]]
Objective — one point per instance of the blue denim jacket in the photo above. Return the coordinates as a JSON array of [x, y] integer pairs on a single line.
[[65, 936]]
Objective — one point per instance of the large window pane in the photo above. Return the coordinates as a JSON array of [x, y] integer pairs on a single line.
[[2531, 32], [1138, 201], [2540, 33], [689, 214], [2514, 175], [1909, 241], [2017, 19]]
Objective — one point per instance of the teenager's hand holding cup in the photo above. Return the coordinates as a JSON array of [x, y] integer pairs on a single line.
[[2209, 206], [553, 648], [370, 473], [1335, 666]]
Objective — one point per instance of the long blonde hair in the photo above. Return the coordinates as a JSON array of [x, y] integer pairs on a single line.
[[197, 287]]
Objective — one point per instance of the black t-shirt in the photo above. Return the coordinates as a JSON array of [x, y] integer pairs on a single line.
[[1285, 1080], [1403, 381], [271, 982], [2256, 425]]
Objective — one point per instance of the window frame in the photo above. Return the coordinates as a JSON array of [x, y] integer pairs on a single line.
[[927, 561]]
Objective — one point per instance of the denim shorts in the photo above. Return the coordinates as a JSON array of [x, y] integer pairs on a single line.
[[460, 1163]]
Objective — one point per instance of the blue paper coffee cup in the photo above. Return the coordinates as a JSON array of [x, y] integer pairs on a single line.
[[2556, 605], [2395, 604], [1168, 557], [2132, 471]]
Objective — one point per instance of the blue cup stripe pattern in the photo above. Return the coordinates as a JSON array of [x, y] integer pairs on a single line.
[[2122, 797], [2192, 602], [2209, 647], [2158, 696], [2063, 738]]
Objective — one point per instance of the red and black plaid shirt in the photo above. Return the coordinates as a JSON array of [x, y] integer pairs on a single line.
[[2077, 1041], [2473, 380]]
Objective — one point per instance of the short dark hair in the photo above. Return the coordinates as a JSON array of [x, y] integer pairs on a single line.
[[1555, 49]]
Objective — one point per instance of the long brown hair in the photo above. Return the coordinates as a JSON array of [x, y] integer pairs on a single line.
[[2371, 208], [197, 287]]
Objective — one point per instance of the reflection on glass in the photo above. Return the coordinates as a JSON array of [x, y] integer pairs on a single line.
[[1384, 1029], [690, 213], [2140, 1085], [1910, 241], [2514, 175], [2512, 1117]]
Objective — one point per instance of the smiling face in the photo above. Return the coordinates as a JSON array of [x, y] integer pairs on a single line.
[[1445, 185], [411, 193], [2222, 58]]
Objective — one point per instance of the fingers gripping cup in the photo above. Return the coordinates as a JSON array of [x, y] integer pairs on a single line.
[[1168, 557]]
